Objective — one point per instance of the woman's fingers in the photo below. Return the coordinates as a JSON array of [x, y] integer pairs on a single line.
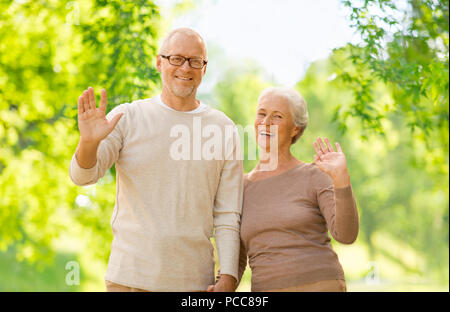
[[317, 148], [322, 149], [322, 145], [329, 146]]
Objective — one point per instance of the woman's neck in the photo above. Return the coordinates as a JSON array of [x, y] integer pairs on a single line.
[[279, 160]]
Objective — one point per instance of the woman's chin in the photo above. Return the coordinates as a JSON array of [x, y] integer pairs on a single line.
[[265, 144]]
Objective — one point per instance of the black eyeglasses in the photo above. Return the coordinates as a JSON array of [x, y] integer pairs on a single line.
[[178, 60]]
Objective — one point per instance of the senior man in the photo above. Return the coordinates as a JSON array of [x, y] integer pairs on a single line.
[[167, 206]]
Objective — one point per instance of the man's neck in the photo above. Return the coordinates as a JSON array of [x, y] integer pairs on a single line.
[[182, 104]]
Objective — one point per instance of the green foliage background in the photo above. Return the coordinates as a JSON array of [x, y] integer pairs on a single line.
[[385, 100]]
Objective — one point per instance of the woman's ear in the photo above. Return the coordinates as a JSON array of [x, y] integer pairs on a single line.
[[295, 131]]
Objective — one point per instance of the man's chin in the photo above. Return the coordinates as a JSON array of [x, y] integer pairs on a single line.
[[183, 92]]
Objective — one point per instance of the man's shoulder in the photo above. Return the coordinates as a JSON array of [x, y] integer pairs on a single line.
[[147, 103], [136, 105], [220, 117]]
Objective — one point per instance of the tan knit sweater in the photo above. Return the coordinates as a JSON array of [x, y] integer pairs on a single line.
[[284, 228], [166, 210]]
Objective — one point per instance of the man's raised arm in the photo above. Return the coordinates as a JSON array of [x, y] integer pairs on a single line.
[[94, 127]]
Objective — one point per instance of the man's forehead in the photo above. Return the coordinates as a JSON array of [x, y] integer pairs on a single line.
[[186, 44]]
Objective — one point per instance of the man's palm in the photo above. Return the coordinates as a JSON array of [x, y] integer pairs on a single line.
[[92, 121]]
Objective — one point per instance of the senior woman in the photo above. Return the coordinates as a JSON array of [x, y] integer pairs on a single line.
[[288, 211]]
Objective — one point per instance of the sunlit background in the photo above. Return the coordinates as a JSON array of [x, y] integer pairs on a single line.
[[374, 74]]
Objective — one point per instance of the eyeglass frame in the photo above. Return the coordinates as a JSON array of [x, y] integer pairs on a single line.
[[185, 59]]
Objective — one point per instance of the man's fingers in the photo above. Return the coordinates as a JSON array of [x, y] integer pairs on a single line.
[[338, 147], [103, 100], [80, 105], [91, 98], [329, 146], [86, 100]]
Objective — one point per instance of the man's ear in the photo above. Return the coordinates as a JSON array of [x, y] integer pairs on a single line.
[[204, 69], [158, 63]]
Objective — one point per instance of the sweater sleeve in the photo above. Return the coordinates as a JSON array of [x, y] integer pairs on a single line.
[[107, 153], [339, 209], [242, 262], [228, 208]]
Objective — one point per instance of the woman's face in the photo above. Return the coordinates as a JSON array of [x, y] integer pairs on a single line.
[[275, 111]]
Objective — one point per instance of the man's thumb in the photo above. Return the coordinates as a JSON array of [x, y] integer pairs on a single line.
[[113, 122], [210, 288]]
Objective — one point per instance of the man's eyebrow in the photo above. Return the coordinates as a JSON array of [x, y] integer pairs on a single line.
[[195, 56]]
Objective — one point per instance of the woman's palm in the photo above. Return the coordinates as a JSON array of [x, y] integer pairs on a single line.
[[327, 159]]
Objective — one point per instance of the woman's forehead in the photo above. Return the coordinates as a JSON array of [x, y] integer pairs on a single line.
[[273, 102]]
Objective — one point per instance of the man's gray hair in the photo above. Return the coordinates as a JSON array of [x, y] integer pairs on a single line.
[[297, 103], [183, 30]]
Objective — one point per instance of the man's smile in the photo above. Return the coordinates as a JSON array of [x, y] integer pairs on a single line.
[[183, 78]]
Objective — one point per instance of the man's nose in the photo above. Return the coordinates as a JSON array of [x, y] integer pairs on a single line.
[[185, 66]]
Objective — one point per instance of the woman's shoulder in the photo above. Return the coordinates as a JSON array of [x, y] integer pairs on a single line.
[[308, 168], [246, 179], [313, 174], [317, 177]]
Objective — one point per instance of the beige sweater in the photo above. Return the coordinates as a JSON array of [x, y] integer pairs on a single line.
[[285, 224], [166, 209]]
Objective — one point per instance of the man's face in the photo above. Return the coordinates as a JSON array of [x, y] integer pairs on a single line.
[[182, 81]]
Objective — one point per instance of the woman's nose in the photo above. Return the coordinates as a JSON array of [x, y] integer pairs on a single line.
[[267, 120]]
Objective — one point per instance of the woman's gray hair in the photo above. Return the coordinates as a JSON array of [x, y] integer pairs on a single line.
[[297, 103]]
